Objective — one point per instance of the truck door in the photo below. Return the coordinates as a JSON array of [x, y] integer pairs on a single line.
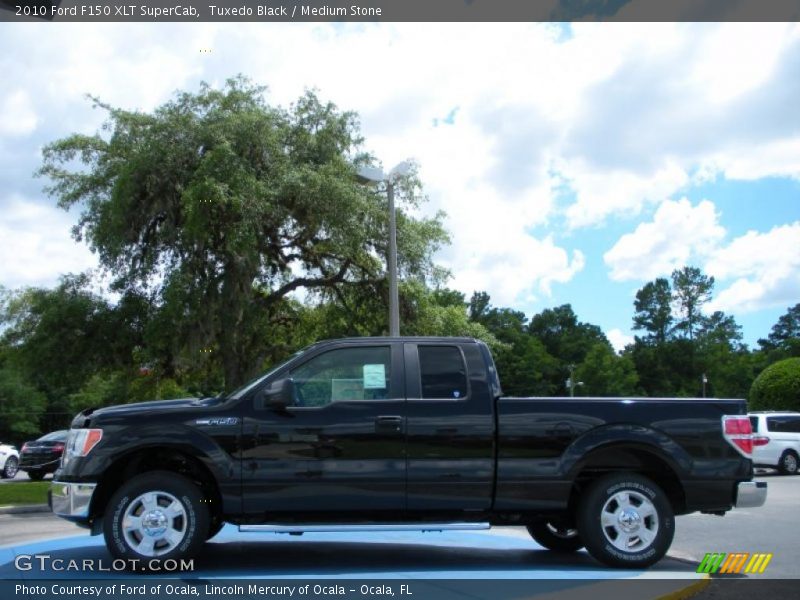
[[450, 438], [340, 447]]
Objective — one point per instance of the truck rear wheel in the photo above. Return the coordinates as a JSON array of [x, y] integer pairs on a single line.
[[555, 536], [156, 515], [625, 520]]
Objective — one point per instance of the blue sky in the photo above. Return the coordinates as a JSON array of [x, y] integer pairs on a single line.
[[574, 165]]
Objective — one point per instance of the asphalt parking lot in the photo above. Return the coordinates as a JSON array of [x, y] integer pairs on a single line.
[[23, 476], [502, 553]]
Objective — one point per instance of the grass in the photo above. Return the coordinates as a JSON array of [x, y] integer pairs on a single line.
[[28, 492]]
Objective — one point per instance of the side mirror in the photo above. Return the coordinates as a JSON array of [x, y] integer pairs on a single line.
[[279, 394]]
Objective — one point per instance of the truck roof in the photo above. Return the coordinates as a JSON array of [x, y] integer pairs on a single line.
[[389, 339]]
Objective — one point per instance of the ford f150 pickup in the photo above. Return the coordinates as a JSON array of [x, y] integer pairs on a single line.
[[403, 433]]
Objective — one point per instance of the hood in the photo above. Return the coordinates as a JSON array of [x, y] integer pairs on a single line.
[[142, 408]]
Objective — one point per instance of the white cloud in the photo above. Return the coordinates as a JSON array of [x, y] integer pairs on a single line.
[[17, 117], [669, 110], [496, 253], [754, 271], [626, 115], [619, 339], [678, 233], [774, 159], [37, 247], [764, 267], [601, 193]]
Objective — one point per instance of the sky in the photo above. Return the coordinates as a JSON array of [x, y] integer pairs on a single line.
[[575, 162]]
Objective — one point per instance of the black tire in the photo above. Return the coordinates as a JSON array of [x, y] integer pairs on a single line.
[[789, 463], [555, 536], [10, 468], [36, 475], [173, 519], [631, 530]]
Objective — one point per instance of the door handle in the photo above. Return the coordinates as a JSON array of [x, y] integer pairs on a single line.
[[389, 424]]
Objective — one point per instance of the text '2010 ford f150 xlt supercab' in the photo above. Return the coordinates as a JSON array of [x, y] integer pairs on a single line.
[[403, 433]]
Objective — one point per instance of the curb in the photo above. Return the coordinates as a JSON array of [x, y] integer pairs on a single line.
[[25, 508], [688, 591]]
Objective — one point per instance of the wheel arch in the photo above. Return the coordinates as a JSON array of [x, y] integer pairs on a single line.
[[174, 458], [638, 457]]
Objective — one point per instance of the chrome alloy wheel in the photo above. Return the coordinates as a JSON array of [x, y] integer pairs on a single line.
[[789, 463], [629, 521], [11, 468], [154, 523]]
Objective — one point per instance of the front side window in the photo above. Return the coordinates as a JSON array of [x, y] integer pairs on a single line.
[[343, 375], [442, 372]]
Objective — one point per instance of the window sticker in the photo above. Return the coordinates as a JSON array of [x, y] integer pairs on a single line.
[[375, 377]]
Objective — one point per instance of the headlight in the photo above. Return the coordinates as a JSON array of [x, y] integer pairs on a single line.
[[80, 442]]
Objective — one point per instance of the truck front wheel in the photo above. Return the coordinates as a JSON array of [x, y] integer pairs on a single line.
[[555, 536], [156, 515], [625, 520]]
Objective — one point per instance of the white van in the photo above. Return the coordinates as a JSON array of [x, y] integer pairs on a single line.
[[776, 440]]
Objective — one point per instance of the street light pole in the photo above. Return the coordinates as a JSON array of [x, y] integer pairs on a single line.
[[394, 303], [378, 176]]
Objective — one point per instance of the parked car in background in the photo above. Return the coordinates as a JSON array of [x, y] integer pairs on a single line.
[[776, 441], [43, 456], [9, 461]]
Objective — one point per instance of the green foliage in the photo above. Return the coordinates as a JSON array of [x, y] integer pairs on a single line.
[[123, 387], [691, 289], [784, 338], [219, 206], [777, 387], [427, 316], [654, 311], [566, 339], [603, 373], [57, 339], [21, 407]]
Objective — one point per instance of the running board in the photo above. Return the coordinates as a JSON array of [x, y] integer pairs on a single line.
[[359, 528]]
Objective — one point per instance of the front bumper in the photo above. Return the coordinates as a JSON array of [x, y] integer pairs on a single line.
[[70, 499], [750, 494]]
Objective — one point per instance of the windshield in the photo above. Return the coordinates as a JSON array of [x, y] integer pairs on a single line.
[[252, 384], [55, 436]]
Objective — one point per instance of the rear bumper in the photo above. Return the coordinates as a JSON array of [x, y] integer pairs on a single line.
[[70, 499], [750, 494]]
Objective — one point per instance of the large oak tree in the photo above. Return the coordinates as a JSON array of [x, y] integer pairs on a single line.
[[218, 206]]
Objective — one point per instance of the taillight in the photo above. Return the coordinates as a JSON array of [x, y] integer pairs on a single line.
[[25, 445], [760, 440], [739, 433], [58, 447]]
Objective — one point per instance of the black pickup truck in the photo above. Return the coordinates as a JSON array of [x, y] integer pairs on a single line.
[[403, 433]]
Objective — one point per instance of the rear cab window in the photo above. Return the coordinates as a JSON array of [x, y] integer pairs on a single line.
[[443, 373]]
